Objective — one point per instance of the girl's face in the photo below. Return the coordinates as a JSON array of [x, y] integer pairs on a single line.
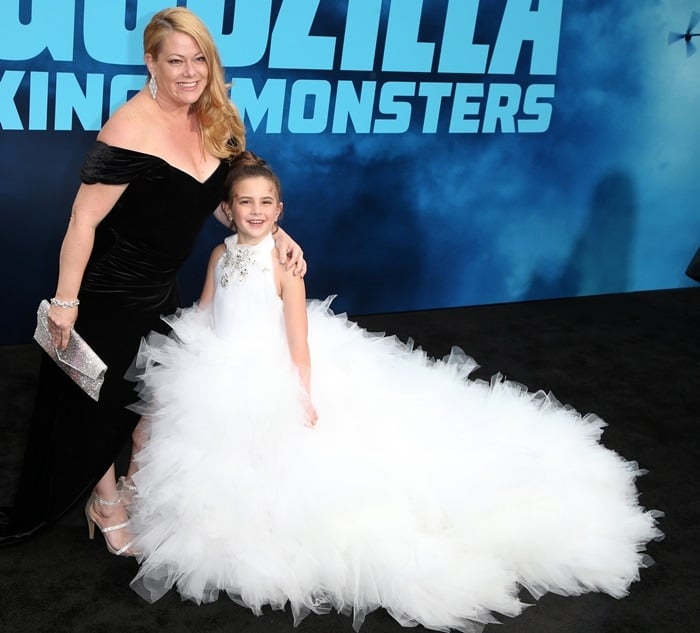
[[254, 208], [181, 70]]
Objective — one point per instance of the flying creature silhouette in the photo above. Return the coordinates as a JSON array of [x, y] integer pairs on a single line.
[[690, 48]]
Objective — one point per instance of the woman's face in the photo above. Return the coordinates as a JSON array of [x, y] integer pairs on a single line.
[[181, 70], [254, 208]]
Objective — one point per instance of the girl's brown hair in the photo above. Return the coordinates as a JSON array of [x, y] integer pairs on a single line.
[[248, 165]]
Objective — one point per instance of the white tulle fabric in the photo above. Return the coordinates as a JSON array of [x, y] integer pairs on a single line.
[[421, 491]]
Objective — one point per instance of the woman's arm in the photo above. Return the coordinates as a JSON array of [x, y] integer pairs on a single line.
[[293, 296], [221, 216], [290, 253], [91, 205]]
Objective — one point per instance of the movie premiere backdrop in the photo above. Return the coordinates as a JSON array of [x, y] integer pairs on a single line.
[[433, 153]]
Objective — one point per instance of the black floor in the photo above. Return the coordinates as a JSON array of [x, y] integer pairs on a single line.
[[634, 359]]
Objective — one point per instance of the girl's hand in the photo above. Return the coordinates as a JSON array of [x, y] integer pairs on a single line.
[[311, 415], [290, 253], [61, 322]]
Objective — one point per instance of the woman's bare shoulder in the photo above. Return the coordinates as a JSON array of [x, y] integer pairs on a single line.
[[128, 126]]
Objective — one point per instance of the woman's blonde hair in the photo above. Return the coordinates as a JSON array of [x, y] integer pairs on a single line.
[[223, 131]]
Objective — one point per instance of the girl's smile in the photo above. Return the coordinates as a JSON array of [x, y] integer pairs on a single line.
[[254, 208]]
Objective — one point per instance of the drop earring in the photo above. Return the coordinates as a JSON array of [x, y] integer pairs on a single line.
[[153, 87]]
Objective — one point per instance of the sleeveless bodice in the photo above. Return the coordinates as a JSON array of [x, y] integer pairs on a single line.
[[246, 299]]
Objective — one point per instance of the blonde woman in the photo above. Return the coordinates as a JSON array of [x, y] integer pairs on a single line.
[[150, 182]]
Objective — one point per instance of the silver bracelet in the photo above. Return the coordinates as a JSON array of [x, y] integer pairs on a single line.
[[64, 304]]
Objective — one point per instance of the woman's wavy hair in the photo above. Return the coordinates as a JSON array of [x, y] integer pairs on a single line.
[[223, 132]]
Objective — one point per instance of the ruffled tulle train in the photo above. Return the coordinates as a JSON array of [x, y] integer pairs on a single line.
[[421, 491]]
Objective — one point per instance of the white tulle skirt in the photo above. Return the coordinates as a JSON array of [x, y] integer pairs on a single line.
[[420, 491]]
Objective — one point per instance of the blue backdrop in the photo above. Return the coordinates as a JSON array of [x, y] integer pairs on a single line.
[[433, 153]]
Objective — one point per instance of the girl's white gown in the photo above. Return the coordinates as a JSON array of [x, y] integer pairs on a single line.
[[421, 491]]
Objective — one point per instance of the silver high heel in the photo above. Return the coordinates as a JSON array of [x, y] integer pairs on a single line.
[[93, 521]]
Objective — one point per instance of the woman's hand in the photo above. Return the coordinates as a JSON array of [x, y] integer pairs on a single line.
[[290, 253], [61, 322]]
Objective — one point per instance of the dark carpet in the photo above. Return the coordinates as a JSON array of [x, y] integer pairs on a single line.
[[634, 359]]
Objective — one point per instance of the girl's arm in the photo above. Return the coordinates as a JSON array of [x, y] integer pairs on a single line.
[[91, 205], [208, 289], [293, 295]]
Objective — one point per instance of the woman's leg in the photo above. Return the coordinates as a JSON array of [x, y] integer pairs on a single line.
[[126, 486], [138, 439], [106, 510]]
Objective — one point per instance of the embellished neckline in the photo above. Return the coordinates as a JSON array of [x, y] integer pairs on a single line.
[[238, 259]]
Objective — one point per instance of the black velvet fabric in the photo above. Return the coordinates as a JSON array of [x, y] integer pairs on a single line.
[[129, 282]]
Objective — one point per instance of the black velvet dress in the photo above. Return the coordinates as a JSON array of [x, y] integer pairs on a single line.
[[129, 282]]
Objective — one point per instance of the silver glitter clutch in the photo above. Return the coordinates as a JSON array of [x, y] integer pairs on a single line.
[[78, 360]]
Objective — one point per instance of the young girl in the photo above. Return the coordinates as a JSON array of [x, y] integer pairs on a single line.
[[353, 472]]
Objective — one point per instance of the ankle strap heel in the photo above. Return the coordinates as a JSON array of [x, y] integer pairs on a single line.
[[106, 502], [94, 519]]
